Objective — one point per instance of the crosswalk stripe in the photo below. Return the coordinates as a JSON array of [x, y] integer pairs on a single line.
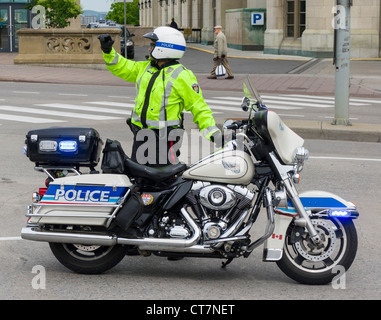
[[302, 104], [56, 113], [303, 98], [318, 101], [28, 119], [119, 97], [367, 100], [82, 108], [213, 107], [219, 101], [113, 104], [238, 107]]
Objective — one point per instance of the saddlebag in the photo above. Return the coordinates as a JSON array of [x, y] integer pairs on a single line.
[[130, 211], [64, 146]]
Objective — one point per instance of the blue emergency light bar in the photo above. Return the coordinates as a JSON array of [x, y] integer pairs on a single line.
[[68, 146]]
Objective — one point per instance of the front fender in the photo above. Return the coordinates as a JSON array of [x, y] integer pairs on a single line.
[[315, 202], [323, 202]]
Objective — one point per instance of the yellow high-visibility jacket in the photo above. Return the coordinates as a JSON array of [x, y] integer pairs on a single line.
[[162, 95]]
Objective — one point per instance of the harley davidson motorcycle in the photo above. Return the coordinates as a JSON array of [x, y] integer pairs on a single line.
[[93, 220]]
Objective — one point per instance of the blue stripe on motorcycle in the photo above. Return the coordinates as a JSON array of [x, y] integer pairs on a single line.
[[311, 202]]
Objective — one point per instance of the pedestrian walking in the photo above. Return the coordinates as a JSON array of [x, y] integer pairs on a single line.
[[220, 54], [174, 24], [165, 88]]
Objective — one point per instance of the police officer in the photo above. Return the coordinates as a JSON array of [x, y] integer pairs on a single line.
[[165, 88]]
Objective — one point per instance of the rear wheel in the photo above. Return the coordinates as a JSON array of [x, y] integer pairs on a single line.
[[308, 263], [88, 259]]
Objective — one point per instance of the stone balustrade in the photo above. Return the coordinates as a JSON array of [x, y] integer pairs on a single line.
[[62, 46]]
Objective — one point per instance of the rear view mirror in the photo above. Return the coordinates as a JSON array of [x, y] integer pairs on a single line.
[[245, 104]]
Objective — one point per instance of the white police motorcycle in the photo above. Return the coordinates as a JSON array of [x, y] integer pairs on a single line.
[[93, 220]]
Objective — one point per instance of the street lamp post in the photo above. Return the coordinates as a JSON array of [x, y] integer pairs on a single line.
[[342, 36], [125, 25]]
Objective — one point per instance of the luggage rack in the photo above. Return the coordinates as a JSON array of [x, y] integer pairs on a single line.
[[48, 169]]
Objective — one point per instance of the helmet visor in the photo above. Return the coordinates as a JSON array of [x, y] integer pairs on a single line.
[[151, 35]]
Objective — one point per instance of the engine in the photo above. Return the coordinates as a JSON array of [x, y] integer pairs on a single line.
[[218, 206], [215, 207]]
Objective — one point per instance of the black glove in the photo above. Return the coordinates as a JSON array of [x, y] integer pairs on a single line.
[[218, 139], [106, 42]]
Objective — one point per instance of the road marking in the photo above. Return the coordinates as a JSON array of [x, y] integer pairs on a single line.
[[28, 119], [238, 107], [317, 101], [10, 238], [119, 97], [367, 100], [56, 113], [26, 92], [113, 104], [344, 158], [328, 117], [73, 94], [302, 104], [291, 115], [81, 108]]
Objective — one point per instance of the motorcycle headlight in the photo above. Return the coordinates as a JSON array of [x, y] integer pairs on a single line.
[[301, 155]]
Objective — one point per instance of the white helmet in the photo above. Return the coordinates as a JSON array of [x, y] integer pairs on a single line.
[[169, 43]]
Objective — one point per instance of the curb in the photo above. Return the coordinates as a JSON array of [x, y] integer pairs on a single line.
[[358, 132]]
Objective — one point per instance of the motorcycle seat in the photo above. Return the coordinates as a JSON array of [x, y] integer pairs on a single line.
[[155, 174]]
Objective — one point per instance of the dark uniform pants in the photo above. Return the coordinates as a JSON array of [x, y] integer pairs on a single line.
[[157, 148]]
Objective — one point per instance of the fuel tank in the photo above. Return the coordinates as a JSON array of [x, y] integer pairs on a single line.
[[224, 166]]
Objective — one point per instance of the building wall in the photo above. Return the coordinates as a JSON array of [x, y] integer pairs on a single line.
[[316, 40]]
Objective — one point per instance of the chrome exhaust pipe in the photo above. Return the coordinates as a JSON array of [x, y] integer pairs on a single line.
[[156, 244], [177, 245], [36, 234]]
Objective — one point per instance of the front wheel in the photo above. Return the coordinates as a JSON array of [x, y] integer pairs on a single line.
[[308, 263], [88, 259]]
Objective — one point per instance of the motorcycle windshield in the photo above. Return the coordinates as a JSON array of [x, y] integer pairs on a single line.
[[271, 127], [251, 92]]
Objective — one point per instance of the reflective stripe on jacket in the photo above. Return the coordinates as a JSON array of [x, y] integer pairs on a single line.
[[175, 89]]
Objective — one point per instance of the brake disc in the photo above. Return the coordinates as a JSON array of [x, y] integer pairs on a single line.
[[318, 252]]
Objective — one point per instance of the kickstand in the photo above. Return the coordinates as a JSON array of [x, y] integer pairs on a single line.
[[224, 264]]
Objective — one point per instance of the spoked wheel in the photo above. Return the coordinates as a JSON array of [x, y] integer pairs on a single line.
[[310, 263], [88, 259]]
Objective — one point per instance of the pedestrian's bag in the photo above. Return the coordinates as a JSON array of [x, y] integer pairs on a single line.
[[220, 71]]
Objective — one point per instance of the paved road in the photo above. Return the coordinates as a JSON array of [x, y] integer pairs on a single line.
[[46, 104], [346, 168]]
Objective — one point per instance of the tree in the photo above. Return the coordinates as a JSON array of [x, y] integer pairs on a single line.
[[58, 12], [117, 13]]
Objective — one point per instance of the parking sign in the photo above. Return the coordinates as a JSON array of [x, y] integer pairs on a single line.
[[257, 18]]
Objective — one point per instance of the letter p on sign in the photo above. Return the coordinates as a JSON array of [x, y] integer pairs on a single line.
[[257, 18]]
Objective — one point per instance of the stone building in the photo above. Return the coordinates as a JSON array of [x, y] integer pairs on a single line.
[[300, 27], [13, 16]]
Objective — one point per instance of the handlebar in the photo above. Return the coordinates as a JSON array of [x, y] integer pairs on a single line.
[[236, 124]]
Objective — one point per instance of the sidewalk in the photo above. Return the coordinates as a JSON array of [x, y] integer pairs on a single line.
[[314, 77]]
